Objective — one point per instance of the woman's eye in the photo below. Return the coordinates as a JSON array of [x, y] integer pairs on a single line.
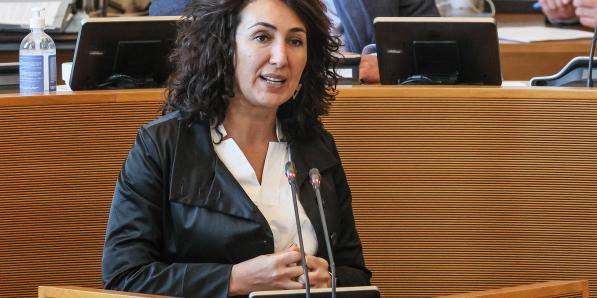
[[296, 42], [261, 38]]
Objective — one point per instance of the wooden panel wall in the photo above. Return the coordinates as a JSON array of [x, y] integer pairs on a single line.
[[58, 166], [455, 189], [471, 192]]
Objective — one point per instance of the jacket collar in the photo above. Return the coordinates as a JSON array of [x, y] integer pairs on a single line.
[[199, 178], [310, 154]]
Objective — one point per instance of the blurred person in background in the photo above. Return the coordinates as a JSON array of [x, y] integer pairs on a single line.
[[570, 11]]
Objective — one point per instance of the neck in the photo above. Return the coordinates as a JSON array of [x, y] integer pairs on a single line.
[[250, 126]]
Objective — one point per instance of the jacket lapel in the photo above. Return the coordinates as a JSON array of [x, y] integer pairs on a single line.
[[308, 155], [311, 154], [199, 178]]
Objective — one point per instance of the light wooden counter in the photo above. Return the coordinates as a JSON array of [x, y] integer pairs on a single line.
[[455, 189]]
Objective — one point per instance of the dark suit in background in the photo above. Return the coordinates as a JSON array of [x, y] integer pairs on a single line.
[[357, 17], [167, 7]]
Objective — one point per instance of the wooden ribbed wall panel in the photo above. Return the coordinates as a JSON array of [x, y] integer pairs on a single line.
[[460, 194], [455, 189], [58, 164]]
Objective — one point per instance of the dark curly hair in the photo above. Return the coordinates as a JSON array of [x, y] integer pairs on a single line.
[[201, 84]]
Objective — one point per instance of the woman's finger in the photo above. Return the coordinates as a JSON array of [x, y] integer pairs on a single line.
[[314, 263], [320, 279], [588, 21], [287, 258]]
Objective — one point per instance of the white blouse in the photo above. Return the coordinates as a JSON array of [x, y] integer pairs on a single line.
[[273, 196]]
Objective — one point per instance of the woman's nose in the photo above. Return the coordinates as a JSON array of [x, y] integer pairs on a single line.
[[279, 54]]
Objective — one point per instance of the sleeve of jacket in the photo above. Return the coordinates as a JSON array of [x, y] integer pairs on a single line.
[[132, 259], [357, 28], [167, 7], [348, 251]]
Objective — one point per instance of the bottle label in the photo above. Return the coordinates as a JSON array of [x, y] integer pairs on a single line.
[[51, 81], [37, 73]]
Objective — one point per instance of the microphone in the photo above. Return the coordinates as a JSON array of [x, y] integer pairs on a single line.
[[591, 54], [315, 179], [573, 74], [290, 172]]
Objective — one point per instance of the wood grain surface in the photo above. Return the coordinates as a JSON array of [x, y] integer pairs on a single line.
[[455, 189]]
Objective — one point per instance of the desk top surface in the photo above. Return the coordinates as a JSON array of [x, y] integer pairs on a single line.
[[514, 20], [356, 91]]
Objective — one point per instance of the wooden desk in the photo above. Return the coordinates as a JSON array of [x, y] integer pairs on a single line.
[[455, 189], [522, 61], [552, 289]]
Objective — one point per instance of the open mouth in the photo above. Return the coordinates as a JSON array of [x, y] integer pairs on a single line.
[[274, 80]]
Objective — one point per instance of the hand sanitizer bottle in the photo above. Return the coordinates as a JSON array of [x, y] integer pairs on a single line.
[[37, 58]]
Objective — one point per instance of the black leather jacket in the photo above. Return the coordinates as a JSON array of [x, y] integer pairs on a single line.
[[179, 220]]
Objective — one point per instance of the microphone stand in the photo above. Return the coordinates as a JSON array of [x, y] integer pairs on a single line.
[[591, 55], [315, 179], [291, 175]]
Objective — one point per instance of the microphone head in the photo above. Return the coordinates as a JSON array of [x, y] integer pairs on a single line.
[[290, 172], [314, 177]]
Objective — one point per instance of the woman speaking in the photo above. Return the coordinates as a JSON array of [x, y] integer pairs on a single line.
[[202, 207]]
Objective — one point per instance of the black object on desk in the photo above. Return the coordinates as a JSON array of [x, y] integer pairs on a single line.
[[438, 50], [123, 53], [348, 69], [9, 75], [515, 6], [574, 74]]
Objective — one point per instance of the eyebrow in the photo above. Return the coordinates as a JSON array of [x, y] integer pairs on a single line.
[[268, 25]]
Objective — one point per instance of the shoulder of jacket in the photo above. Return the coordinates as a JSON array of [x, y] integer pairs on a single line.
[[172, 128], [169, 119], [326, 136]]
